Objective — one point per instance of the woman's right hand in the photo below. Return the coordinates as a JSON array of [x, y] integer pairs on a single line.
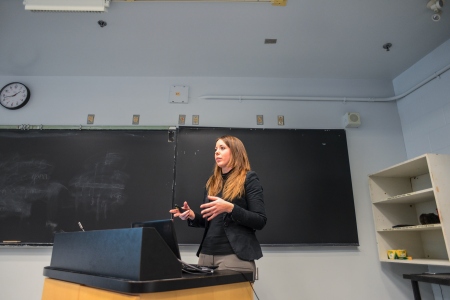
[[188, 213]]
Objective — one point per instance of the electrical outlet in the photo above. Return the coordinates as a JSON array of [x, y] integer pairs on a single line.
[[195, 119], [181, 119], [259, 120], [135, 119], [90, 119], [281, 120]]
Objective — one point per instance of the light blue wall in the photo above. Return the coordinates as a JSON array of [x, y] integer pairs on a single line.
[[425, 114], [351, 273], [425, 117]]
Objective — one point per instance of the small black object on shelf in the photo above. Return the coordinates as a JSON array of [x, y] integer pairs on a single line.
[[430, 218]]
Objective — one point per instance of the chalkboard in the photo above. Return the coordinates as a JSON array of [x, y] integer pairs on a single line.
[[305, 175], [52, 179]]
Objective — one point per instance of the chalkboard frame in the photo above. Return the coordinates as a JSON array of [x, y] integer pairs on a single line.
[[204, 165]]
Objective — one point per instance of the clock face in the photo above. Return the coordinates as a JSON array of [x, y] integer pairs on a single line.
[[14, 95]]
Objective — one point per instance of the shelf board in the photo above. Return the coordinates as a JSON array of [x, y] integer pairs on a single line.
[[413, 167], [409, 198], [413, 228], [419, 261]]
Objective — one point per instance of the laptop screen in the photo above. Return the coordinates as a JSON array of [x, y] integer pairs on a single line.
[[166, 230]]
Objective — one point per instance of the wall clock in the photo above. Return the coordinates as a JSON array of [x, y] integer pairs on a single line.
[[14, 95]]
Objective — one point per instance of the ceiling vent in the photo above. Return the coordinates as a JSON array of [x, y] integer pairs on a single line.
[[66, 5]]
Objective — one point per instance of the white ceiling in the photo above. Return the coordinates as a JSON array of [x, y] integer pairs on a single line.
[[316, 39]]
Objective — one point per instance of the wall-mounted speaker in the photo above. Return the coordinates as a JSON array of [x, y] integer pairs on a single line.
[[352, 119]]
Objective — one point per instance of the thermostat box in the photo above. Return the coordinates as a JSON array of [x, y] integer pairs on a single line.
[[179, 94]]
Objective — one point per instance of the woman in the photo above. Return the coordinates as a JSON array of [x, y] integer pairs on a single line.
[[232, 211]]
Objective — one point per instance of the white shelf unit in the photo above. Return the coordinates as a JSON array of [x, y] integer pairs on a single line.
[[400, 194]]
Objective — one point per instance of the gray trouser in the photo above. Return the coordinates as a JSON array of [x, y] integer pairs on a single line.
[[227, 262]]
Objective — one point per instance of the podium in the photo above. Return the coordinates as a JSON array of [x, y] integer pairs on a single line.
[[132, 263]]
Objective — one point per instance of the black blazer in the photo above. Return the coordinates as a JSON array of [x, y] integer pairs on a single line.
[[248, 215]]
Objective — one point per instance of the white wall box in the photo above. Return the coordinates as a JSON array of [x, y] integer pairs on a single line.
[[400, 194]]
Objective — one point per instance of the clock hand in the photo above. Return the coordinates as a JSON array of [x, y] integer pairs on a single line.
[[12, 95]]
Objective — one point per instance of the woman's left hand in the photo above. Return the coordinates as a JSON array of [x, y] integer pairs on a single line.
[[215, 207]]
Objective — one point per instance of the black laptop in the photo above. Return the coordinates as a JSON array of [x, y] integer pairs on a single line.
[[166, 230]]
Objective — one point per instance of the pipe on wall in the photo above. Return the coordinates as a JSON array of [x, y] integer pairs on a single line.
[[344, 99]]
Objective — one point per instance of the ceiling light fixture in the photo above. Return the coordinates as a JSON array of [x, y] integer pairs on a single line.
[[66, 5]]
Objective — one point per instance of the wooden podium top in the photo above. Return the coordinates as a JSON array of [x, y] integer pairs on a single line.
[[187, 281]]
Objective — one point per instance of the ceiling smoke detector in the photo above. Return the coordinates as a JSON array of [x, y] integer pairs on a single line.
[[436, 17]]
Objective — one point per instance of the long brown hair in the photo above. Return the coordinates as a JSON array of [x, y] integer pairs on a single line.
[[239, 164]]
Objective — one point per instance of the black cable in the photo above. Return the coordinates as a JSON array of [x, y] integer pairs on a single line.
[[195, 270], [251, 285], [191, 269], [441, 292], [254, 292], [195, 273]]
